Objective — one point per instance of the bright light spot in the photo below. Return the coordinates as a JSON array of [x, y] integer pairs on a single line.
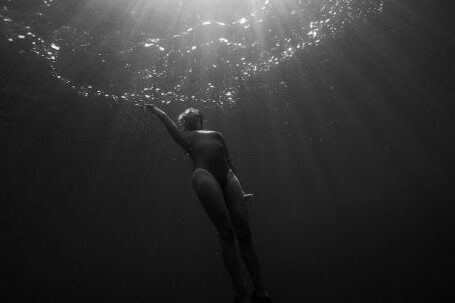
[[312, 34], [54, 46]]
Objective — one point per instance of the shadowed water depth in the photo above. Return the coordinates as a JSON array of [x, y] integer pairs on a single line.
[[338, 116]]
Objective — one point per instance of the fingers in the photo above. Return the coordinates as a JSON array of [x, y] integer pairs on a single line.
[[248, 196]]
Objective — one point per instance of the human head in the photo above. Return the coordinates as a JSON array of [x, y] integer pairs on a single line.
[[191, 119]]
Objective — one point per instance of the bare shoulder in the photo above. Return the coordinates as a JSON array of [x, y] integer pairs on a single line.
[[219, 136], [217, 133]]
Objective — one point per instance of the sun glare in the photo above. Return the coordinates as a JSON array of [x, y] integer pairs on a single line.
[[174, 51]]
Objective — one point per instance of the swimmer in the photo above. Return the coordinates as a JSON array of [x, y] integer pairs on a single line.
[[219, 191]]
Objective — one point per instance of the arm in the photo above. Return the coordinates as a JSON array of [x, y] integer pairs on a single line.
[[228, 158], [226, 152], [176, 133]]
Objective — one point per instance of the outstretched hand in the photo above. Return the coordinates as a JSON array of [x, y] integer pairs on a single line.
[[247, 196]]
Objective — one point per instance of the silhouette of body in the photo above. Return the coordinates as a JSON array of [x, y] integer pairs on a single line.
[[221, 195]]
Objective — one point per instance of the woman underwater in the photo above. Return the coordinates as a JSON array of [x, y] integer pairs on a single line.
[[221, 195]]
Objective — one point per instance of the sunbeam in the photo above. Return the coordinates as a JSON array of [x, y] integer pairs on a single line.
[[197, 51]]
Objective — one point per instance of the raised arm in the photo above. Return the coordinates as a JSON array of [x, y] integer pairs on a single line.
[[176, 133]]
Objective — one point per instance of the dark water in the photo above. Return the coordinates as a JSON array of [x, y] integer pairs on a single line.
[[346, 141]]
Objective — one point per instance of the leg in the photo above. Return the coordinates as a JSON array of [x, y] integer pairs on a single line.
[[239, 217], [211, 196]]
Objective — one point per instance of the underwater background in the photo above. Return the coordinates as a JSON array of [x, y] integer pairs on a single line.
[[343, 130]]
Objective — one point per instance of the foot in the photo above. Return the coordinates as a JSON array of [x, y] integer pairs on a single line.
[[260, 297]]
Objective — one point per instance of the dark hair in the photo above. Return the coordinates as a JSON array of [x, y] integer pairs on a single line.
[[189, 118]]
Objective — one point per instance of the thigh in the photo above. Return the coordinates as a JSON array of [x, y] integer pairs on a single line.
[[211, 196], [236, 205]]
